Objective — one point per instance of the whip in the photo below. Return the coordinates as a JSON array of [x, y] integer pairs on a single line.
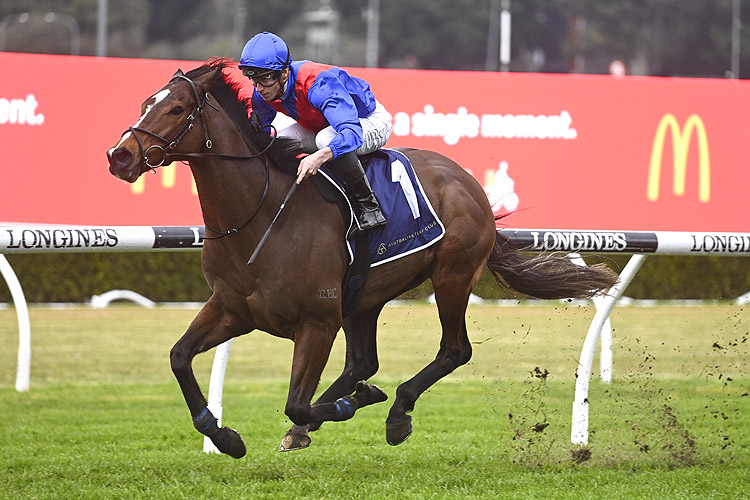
[[268, 231]]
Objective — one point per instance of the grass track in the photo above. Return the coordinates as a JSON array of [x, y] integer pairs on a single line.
[[104, 418]]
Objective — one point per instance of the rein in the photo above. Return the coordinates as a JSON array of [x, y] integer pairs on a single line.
[[221, 234], [187, 127]]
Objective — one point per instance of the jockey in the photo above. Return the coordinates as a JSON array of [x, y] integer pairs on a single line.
[[337, 115]]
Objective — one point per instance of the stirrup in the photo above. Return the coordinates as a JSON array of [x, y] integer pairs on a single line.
[[366, 220], [370, 218]]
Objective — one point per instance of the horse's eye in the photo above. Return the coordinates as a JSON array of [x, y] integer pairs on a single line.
[[177, 110]]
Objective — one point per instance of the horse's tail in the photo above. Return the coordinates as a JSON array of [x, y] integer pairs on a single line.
[[546, 276]]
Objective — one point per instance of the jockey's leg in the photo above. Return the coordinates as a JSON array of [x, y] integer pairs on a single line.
[[376, 129], [350, 169], [305, 136]]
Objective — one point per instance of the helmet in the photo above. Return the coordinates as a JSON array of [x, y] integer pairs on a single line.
[[265, 52]]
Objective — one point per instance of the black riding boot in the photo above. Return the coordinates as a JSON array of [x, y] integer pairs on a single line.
[[352, 173]]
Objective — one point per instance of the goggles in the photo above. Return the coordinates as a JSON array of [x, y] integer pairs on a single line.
[[264, 79]]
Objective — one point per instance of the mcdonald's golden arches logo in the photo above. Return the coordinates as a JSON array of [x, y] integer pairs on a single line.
[[168, 180], [681, 139]]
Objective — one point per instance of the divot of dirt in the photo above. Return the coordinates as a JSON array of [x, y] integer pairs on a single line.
[[580, 455]]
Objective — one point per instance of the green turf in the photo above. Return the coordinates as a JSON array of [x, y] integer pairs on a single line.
[[105, 419]]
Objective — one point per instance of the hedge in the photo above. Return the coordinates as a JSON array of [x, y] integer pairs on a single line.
[[177, 277]]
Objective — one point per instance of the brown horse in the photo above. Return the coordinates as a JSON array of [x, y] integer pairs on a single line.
[[242, 176]]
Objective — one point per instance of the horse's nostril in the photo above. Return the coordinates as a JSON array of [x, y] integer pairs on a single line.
[[120, 157]]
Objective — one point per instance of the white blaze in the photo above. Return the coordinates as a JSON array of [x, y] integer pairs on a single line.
[[158, 97]]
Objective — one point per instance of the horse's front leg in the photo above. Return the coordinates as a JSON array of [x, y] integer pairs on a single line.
[[361, 364], [211, 327], [312, 347]]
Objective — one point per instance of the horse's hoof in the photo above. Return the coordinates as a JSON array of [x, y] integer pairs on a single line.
[[396, 434], [294, 440], [230, 442], [367, 393]]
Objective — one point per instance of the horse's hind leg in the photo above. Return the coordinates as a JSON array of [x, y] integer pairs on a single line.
[[452, 295], [361, 363], [211, 327]]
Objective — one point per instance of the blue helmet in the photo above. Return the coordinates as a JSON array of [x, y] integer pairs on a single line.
[[265, 52]]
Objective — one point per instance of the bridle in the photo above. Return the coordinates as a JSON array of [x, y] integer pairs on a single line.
[[186, 127], [197, 112]]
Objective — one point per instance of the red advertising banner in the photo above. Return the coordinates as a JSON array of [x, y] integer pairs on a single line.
[[554, 151]]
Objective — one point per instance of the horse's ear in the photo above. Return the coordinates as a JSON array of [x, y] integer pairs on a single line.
[[179, 73], [209, 78]]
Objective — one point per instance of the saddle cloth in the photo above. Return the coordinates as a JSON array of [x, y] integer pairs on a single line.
[[412, 222]]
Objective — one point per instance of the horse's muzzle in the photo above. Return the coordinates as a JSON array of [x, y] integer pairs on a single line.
[[122, 164]]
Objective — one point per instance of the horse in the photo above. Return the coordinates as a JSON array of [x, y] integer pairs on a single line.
[[242, 172]]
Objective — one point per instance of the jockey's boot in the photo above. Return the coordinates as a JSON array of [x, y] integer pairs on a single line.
[[369, 214]]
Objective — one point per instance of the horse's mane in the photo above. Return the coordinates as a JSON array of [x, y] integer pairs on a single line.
[[226, 91]]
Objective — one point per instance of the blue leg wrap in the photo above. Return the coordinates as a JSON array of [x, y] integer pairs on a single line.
[[344, 409], [205, 422]]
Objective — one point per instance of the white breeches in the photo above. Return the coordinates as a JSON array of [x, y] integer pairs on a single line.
[[376, 130]]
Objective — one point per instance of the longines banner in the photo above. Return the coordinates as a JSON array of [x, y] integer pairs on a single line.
[[39, 238], [553, 151]]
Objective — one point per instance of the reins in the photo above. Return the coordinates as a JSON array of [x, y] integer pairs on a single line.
[[187, 127], [221, 234]]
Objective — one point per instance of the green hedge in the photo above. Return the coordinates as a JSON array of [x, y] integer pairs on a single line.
[[162, 277], [177, 277]]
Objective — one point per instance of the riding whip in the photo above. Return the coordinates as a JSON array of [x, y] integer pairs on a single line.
[[268, 231]]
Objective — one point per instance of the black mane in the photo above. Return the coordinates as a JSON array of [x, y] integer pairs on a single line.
[[226, 91]]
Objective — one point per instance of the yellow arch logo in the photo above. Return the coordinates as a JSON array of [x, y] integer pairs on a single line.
[[680, 148], [168, 180]]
